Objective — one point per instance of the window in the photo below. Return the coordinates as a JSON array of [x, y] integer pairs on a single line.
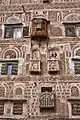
[[47, 99], [17, 108], [15, 31], [46, 89], [46, 1], [75, 105], [72, 30], [77, 68], [9, 67], [1, 108]]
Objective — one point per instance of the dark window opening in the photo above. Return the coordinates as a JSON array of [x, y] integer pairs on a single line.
[[46, 1], [46, 89], [26, 31]]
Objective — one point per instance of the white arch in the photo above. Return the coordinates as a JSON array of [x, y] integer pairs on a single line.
[[75, 51], [76, 17], [16, 50], [13, 20]]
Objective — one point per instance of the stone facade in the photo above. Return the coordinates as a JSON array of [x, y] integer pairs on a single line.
[[46, 86]]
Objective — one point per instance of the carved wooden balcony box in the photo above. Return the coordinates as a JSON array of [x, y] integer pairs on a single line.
[[47, 100], [53, 65], [39, 28], [34, 66]]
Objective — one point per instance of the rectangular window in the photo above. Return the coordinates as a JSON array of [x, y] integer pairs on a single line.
[[46, 1], [9, 67], [1, 108], [72, 30], [26, 31], [13, 31], [16, 31], [46, 89], [75, 105], [77, 68], [46, 100], [17, 108]]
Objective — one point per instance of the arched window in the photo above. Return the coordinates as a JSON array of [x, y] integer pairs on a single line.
[[74, 91]]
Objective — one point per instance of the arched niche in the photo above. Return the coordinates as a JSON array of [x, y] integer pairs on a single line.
[[35, 54], [18, 91], [53, 53], [74, 91]]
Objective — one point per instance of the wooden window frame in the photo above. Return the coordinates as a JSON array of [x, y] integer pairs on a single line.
[[4, 68]]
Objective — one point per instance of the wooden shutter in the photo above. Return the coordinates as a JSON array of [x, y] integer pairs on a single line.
[[14, 68], [26, 31], [1, 108], [77, 68], [3, 68], [8, 32], [18, 108]]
